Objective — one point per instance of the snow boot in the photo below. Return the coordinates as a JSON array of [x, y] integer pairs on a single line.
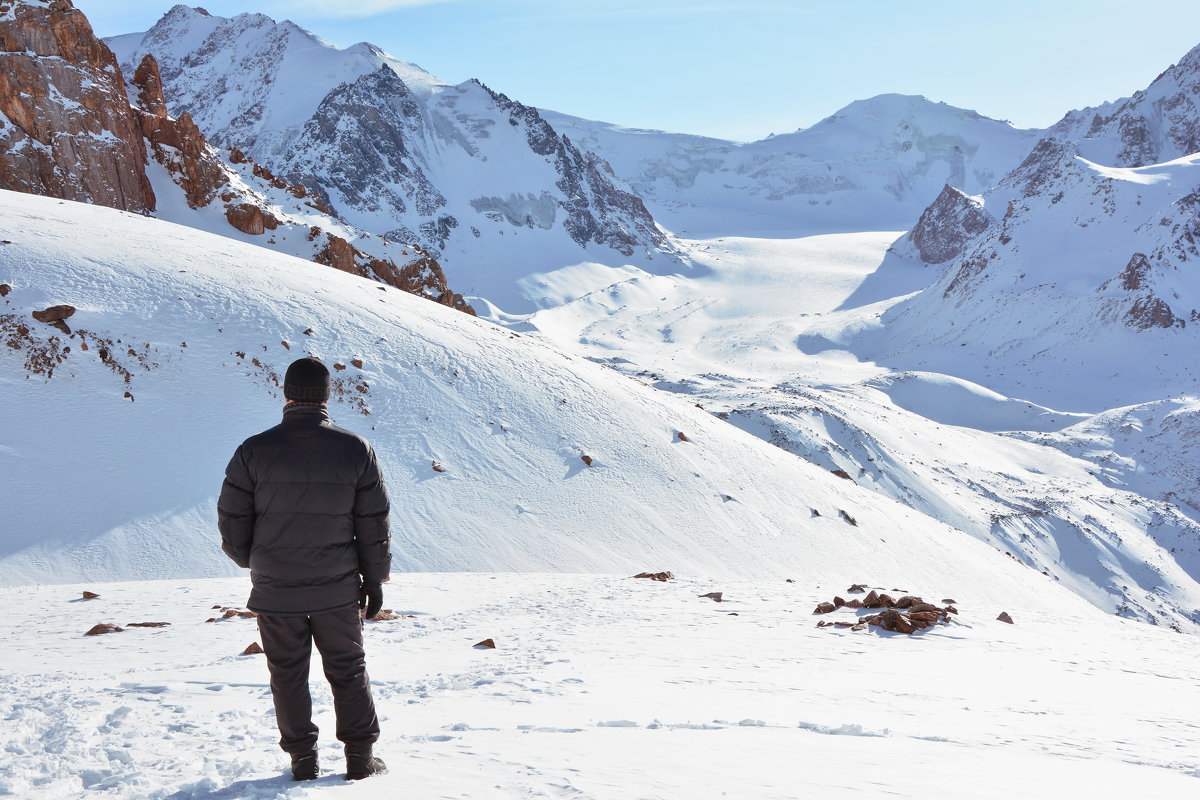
[[360, 763], [304, 766]]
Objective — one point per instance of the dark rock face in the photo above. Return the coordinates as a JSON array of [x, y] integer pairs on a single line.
[[358, 142], [66, 129], [946, 226], [597, 210]]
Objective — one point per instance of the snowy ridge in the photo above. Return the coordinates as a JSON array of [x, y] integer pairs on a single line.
[[479, 181], [872, 165]]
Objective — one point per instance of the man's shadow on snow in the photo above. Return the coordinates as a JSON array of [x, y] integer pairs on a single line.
[[240, 790]]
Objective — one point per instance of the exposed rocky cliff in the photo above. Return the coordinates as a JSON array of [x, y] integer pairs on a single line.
[[65, 126]]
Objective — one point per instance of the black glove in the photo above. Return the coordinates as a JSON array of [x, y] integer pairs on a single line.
[[370, 597]]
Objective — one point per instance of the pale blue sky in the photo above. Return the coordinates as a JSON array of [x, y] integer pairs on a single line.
[[742, 70]]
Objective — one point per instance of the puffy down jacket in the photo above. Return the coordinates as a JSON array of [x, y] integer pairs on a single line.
[[305, 508]]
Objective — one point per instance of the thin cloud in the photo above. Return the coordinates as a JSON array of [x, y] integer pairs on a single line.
[[358, 8]]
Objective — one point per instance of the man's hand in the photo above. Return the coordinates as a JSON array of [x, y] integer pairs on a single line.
[[370, 598]]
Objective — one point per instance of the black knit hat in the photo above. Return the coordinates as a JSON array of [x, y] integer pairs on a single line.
[[306, 381]]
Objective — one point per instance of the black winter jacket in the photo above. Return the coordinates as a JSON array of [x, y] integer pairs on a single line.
[[304, 507]]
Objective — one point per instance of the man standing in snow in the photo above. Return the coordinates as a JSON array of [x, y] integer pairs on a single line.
[[304, 508]]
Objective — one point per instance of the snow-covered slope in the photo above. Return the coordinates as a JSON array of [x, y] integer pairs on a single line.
[[479, 180], [740, 342], [602, 687], [124, 427], [873, 165]]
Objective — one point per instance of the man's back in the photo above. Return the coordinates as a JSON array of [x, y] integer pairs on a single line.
[[304, 507]]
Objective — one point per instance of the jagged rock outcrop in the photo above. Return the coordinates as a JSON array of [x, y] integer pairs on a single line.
[[177, 144], [65, 126], [946, 227]]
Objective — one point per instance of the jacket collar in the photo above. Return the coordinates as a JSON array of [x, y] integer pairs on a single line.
[[293, 412]]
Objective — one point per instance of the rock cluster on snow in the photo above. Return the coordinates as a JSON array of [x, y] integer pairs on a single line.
[[906, 614]]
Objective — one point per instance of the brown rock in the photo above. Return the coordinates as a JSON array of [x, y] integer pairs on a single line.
[[253, 649], [682, 436], [229, 614], [838, 602], [211, 619], [893, 620], [825, 608], [951, 610], [103, 627], [948, 602], [656, 576], [789, 580], [72, 133], [1004, 617], [247, 614], [923, 607], [716, 597], [872, 600], [887, 600], [859, 627], [486, 644], [841, 473], [90, 595], [856, 588], [250, 219], [339, 367], [217, 608], [147, 624], [586, 459], [924, 616], [849, 519], [357, 362], [54, 314], [854, 603], [5, 288], [384, 615], [437, 467], [906, 601]]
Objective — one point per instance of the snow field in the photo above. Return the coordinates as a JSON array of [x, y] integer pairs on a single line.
[[108, 486], [601, 686]]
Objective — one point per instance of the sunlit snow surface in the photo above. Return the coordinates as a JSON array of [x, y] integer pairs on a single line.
[[602, 686]]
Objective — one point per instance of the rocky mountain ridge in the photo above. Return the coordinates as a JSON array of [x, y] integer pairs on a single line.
[[462, 170], [74, 129]]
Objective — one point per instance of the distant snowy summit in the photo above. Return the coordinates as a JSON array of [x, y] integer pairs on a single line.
[[871, 166], [481, 181], [1074, 277]]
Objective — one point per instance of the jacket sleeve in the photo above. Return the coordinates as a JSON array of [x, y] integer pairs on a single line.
[[235, 511], [371, 509]]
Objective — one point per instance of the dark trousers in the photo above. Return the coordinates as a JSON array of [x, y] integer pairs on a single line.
[[287, 642]]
